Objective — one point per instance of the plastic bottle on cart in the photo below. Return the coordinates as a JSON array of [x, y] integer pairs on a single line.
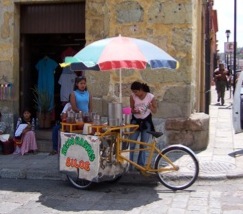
[[72, 115], [79, 120], [96, 119], [79, 117], [69, 118]]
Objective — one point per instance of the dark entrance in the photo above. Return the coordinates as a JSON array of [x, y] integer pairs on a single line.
[[47, 30]]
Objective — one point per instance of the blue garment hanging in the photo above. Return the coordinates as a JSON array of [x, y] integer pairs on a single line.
[[46, 69]]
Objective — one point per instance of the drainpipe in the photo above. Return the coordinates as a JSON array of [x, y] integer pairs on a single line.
[[207, 57]]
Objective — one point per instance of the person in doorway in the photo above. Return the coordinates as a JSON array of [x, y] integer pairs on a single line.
[[143, 104], [81, 99], [25, 140], [56, 128], [220, 77]]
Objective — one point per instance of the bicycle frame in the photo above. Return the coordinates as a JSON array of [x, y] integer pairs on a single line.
[[149, 147]]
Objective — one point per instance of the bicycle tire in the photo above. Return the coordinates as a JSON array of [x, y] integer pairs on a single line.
[[79, 183], [188, 167]]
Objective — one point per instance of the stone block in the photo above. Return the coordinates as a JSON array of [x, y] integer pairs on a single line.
[[192, 132], [44, 140], [196, 122], [196, 140]]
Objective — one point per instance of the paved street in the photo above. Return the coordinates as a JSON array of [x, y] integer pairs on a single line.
[[56, 197]]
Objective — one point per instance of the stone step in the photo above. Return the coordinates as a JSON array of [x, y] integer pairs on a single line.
[[43, 134], [44, 140], [44, 145]]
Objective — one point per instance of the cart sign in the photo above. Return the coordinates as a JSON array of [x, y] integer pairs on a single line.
[[80, 153], [229, 47]]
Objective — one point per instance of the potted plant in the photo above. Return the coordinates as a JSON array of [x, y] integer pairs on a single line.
[[42, 100]]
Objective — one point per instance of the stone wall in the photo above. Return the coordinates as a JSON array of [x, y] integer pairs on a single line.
[[172, 25], [167, 24]]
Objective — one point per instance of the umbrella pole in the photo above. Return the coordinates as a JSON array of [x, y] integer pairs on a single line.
[[120, 95]]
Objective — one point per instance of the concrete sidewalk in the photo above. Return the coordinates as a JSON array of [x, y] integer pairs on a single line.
[[223, 157], [218, 161]]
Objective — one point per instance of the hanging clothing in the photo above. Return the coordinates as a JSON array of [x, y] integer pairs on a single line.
[[46, 69], [67, 70], [66, 81]]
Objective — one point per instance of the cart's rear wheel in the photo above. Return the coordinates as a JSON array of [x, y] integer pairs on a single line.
[[79, 183], [186, 171]]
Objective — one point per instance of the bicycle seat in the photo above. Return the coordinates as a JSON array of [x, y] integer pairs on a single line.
[[155, 134]]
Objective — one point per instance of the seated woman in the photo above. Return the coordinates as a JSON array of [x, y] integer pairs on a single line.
[[25, 141]]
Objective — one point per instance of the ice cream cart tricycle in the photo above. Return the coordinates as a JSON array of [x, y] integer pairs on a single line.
[[89, 158], [103, 155]]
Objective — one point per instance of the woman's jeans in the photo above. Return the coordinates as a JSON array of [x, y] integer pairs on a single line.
[[144, 138], [55, 132]]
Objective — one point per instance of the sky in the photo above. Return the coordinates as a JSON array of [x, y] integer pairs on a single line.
[[225, 12]]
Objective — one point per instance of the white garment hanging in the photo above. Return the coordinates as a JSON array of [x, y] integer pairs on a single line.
[[66, 81]]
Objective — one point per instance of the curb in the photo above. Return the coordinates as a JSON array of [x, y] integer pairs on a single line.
[[133, 177]]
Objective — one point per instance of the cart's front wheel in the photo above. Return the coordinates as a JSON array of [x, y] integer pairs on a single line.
[[185, 170], [79, 183]]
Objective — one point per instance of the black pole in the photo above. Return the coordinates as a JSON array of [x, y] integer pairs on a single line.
[[227, 59], [226, 54], [235, 30], [207, 59]]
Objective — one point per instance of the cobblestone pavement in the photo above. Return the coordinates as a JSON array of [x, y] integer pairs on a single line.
[[57, 197]]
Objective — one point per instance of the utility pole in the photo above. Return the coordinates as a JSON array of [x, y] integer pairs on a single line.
[[235, 30], [207, 57]]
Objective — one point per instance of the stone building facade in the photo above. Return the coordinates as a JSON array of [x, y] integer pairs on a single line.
[[177, 26]]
